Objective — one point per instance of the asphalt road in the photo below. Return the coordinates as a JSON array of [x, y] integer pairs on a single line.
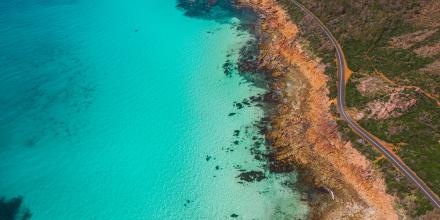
[[395, 160]]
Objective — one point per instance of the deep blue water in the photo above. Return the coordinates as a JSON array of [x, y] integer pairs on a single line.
[[120, 110]]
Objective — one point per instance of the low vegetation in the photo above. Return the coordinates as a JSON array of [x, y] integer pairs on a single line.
[[369, 32]]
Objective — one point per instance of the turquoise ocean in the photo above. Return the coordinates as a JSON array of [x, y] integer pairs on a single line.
[[122, 110]]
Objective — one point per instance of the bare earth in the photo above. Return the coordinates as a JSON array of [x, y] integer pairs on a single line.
[[303, 130]]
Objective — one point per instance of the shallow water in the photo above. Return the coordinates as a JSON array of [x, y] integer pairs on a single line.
[[120, 110]]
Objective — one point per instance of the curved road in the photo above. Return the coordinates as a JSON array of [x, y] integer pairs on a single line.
[[397, 162]]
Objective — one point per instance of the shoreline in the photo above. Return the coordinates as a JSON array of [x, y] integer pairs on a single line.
[[302, 130], [291, 202]]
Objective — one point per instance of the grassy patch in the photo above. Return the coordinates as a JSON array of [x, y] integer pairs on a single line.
[[352, 94], [295, 14]]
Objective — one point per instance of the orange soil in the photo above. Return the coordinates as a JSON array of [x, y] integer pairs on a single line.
[[305, 132]]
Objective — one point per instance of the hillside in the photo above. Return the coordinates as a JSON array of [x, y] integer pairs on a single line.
[[393, 49]]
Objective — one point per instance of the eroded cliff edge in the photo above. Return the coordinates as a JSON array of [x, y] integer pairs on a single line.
[[302, 129]]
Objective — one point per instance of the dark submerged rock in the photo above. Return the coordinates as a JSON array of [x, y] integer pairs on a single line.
[[236, 133], [218, 10], [252, 176], [228, 68], [12, 209], [238, 105]]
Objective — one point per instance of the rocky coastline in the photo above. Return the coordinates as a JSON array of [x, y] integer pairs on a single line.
[[339, 181]]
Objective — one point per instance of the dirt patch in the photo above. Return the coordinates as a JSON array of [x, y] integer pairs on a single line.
[[428, 50], [433, 68], [397, 104], [429, 15], [408, 40], [372, 85]]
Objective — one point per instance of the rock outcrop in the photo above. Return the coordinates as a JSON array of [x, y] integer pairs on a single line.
[[303, 130]]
